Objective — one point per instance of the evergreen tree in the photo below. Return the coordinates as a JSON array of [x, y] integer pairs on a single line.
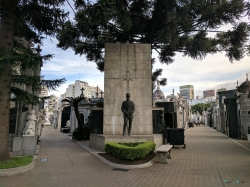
[[29, 20], [170, 26]]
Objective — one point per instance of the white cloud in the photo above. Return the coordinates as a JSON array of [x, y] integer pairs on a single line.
[[212, 73]]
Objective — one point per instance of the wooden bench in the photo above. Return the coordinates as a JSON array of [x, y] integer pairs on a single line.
[[163, 153]]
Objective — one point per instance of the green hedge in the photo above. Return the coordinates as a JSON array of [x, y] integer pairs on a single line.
[[130, 151]]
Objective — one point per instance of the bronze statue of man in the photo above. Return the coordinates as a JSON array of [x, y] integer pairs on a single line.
[[128, 108]]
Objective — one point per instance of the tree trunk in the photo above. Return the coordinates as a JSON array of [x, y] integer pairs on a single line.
[[79, 119], [6, 46]]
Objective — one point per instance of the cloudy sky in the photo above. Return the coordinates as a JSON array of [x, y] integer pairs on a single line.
[[214, 72]]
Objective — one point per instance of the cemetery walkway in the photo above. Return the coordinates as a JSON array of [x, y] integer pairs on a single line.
[[210, 160]]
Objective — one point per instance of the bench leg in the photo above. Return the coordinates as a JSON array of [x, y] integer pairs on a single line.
[[169, 154], [162, 157]]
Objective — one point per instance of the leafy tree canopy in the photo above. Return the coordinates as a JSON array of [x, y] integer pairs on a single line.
[[200, 107], [170, 26]]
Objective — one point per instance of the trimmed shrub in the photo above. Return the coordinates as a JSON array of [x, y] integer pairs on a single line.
[[130, 151], [86, 133]]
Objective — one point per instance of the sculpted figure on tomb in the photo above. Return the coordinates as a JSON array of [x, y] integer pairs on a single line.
[[30, 125], [41, 120], [67, 123]]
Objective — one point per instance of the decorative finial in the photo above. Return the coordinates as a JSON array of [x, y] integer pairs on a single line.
[[237, 83], [173, 92], [247, 76]]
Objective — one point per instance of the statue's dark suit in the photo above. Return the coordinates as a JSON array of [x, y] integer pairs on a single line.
[[128, 109]]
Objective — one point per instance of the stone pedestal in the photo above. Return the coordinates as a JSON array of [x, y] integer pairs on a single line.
[[29, 145], [17, 146], [97, 141]]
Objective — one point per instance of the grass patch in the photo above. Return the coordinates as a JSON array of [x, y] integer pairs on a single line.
[[16, 162]]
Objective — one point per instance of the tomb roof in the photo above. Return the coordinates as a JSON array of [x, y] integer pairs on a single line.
[[158, 94], [244, 87]]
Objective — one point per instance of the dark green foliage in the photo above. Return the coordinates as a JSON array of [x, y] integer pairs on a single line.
[[200, 107], [29, 60], [25, 97], [36, 83], [24, 22], [170, 26], [131, 144], [130, 151], [155, 75], [73, 100], [77, 135], [35, 18]]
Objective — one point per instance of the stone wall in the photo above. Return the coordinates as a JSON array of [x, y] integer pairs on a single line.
[[244, 116]]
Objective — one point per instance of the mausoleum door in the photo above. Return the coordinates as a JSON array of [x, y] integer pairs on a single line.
[[65, 117], [170, 120], [82, 118]]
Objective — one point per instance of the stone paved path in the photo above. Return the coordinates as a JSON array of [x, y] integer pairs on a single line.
[[209, 159]]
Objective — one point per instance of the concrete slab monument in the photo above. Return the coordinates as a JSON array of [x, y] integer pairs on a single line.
[[127, 69]]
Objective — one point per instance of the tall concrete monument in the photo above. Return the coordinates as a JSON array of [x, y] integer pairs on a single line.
[[127, 69]]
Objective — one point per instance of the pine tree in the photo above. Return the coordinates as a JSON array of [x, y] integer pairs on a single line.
[[29, 20], [170, 26], [29, 60]]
